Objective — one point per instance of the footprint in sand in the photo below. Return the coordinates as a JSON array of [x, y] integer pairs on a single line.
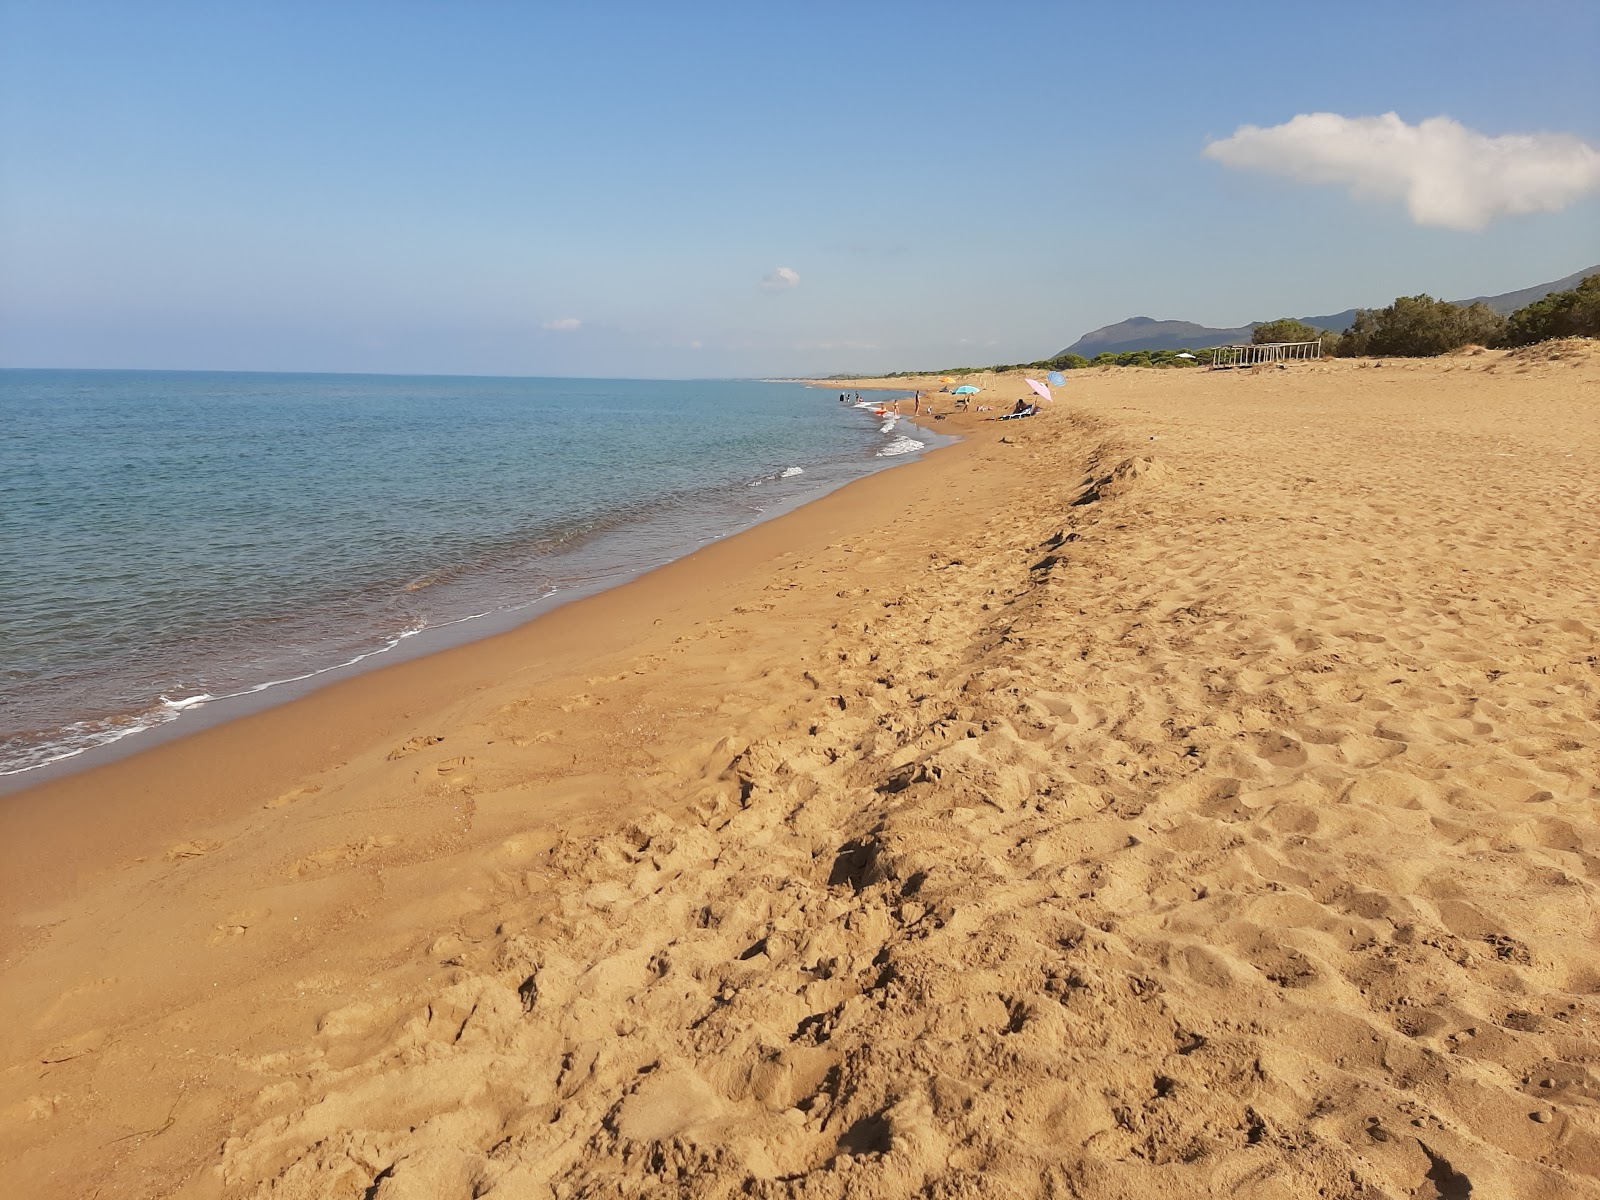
[[62, 1005], [536, 738], [79, 1046], [348, 854], [294, 794], [412, 745], [32, 1108], [1280, 750], [238, 924], [198, 848]]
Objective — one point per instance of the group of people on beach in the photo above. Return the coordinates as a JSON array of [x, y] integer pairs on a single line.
[[1024, 407], [916, 405]]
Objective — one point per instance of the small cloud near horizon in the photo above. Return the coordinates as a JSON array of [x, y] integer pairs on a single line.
[[562, 325], [780, 279], [1446, 174]]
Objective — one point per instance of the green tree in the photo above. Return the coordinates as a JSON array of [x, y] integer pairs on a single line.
[[1284, 329], [1419, 327], [1574, 313], [1067, 362]]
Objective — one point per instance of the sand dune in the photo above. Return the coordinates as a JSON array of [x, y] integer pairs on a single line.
[[1188, 791]]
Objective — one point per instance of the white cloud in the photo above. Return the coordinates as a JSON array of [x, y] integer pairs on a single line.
[[1445, 173], [780, 278], [563, 325]]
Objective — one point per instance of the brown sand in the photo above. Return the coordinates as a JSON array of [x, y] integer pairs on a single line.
[[1193, 793]]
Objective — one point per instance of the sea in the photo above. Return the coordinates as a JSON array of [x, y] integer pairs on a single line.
[[181, 547]]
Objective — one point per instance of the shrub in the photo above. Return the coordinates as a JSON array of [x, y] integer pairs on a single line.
[[1067, 362], [1284, 329], [1574, 313], [1287, 329], [1420, 327]]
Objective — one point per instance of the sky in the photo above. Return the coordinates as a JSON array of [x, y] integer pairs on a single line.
[[757, 189]]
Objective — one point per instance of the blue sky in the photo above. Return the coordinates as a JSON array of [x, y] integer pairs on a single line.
[[602, 189]]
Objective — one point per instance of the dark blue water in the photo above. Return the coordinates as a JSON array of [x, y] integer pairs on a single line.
[[170, 539]]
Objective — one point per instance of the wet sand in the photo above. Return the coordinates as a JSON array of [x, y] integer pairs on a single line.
[[1190, 790]]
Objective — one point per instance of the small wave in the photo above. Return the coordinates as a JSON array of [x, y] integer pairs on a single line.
[[81, 736], [888, 426], [187, 701], [901, 445], [791, 472]]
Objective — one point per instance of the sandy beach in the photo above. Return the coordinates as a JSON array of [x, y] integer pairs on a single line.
[[1190, 790]]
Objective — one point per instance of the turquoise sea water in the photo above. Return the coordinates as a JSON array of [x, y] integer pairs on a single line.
[[178, 541]]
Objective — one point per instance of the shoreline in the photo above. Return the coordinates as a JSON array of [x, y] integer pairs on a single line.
[[193, 714], [214, 752], [1187, 790]]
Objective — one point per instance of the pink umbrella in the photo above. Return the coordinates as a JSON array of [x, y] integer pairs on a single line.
[[1039, 387]]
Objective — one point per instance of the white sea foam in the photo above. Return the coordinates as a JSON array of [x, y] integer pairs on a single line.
[[80, 736], [187, 701], [901, 445], [73, 740], [791, 472]]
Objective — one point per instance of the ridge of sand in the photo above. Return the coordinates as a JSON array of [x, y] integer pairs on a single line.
[[1195, 796]]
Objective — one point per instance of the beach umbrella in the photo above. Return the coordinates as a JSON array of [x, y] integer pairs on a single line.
[[1183, 354], [966, 389], [1040, 388], [945, 379], [1057, 379]]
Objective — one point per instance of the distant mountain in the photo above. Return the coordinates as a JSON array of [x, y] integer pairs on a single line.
[[1338, 322], [1147, 333], [1508, 302]]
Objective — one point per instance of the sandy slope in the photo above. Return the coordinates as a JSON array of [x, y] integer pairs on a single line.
[[1194, 793]]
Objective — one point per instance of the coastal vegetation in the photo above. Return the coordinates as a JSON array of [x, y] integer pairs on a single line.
[[1076, 362], [1420, 327], [1412, 327], [1573, 313], [1287, 329]]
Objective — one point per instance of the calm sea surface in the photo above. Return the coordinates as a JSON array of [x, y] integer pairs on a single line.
[[172, 541]]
